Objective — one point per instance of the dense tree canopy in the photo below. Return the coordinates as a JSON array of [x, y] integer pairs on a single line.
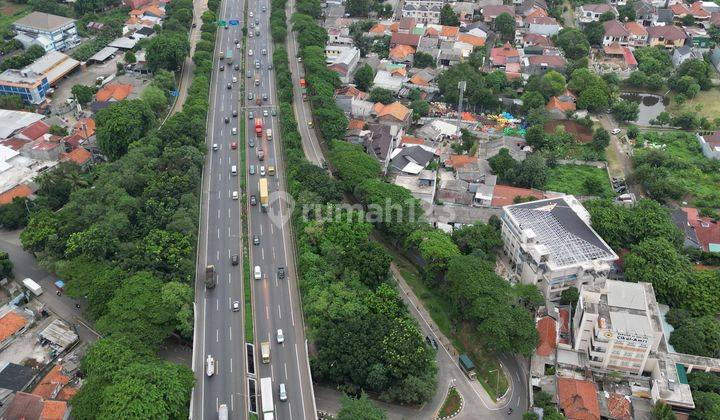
[[700, 336], [121, 124]]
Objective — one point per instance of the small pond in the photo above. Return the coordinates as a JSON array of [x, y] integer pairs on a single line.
[[650, 105]]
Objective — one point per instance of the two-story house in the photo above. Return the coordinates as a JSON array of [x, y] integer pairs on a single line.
[[53, 33], [668, 36], [615, 32]]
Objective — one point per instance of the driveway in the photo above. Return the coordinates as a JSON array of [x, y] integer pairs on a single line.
[[63, 306]]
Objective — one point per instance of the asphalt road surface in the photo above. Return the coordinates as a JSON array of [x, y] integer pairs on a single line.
[[276, 304], [276, 300], [219, 331]]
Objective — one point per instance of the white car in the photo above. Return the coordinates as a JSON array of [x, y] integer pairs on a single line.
[[264, 51], [616, 131], [234, 130], [234, 79], [235, 195], [262, 170], [215, 146], [265, 113], [280, 336], [236, 306], [250, 53], [251, 14], [283, 393], [258, 273], [210, 366]]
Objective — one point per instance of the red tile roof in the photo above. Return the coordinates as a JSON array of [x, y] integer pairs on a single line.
[[619, 406], [35, 130], [679, 9], [449, 31], [499, 56], [492, 11], [460, 161], [564, 326], [53, 410], [557, 104], [10, 324], [14, 143], [473, 40], [115, 91], [356, 125], [548, 336], [16, 191], [411, 140], [85, 127], [537, 39], [669, 32], [53, 380], [578, 399], [407, 23], [503, 195], [401, 52], [707, 230], [404, 39], [552, 61], [78, 156]]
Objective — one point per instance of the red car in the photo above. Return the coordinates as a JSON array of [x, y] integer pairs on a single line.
[[233, 145]]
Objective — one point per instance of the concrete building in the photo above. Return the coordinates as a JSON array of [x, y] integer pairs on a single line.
[[53, 33], [345, 63], [550, 243], [710, 144], [424, 11], [617, 324], [33, 81]]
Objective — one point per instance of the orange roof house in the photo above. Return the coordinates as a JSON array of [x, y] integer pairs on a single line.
[[53, 410], [10, 324], [16, 191], [356, 125], [619, 406], [113, 92], [394, 27], [418, 80], [449, 31], [79, 156], [409, 140], [504, 195], [558, 106], [548, 336], [378, 29], [402, 53], [85, 127], [430, 31], [392, 112], [460, 161], [578, 399], [48, 386], [473, 40]]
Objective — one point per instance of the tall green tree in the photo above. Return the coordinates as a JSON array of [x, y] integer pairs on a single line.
[[359, 408], [657, 261], [505, 25], [167, 51], [573, 43], [121, 124], [699, 336], [448, 17], [364, 77]]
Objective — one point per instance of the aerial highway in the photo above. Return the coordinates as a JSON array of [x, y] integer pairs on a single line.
[[219, 332], [220, 360], [276, 297]]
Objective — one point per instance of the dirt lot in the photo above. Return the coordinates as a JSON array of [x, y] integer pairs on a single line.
[[581, 133]]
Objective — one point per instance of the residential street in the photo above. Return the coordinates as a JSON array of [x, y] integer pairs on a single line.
[[25, 265]]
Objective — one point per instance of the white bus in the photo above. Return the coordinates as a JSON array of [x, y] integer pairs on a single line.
[[268, 409]]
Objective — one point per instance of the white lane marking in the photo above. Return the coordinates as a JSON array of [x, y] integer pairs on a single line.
[[231, 365], [273, 254], [218, 233], [229, 236], [302, 396], [228, 212], [279, 313], [272, 231], [272, 373], [267, 312], [232, 402], [217, 304], [230, 337], [285, 366], [262, 253], [229, 278], [217, 335], [218, 216], [276, 282], [261, 229], [217, 257]]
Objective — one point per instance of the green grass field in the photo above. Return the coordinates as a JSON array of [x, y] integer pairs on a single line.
[[10, 12], [705, 104], [571, 179]]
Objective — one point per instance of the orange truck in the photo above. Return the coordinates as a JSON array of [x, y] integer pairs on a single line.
[[303, 86]]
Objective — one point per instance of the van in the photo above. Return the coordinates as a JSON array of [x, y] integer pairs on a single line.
[[257, 274], [268, 133], [283, 393], [233, 170]]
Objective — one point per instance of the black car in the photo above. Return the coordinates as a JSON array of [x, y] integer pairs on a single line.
[[281, 272], [237, 67], [229, 85], [235, 259], [227, 120], [253, 200]]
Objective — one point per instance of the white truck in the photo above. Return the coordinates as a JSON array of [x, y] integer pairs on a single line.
[[265, 351], [32, 286], [223, 412], [268, 409]]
